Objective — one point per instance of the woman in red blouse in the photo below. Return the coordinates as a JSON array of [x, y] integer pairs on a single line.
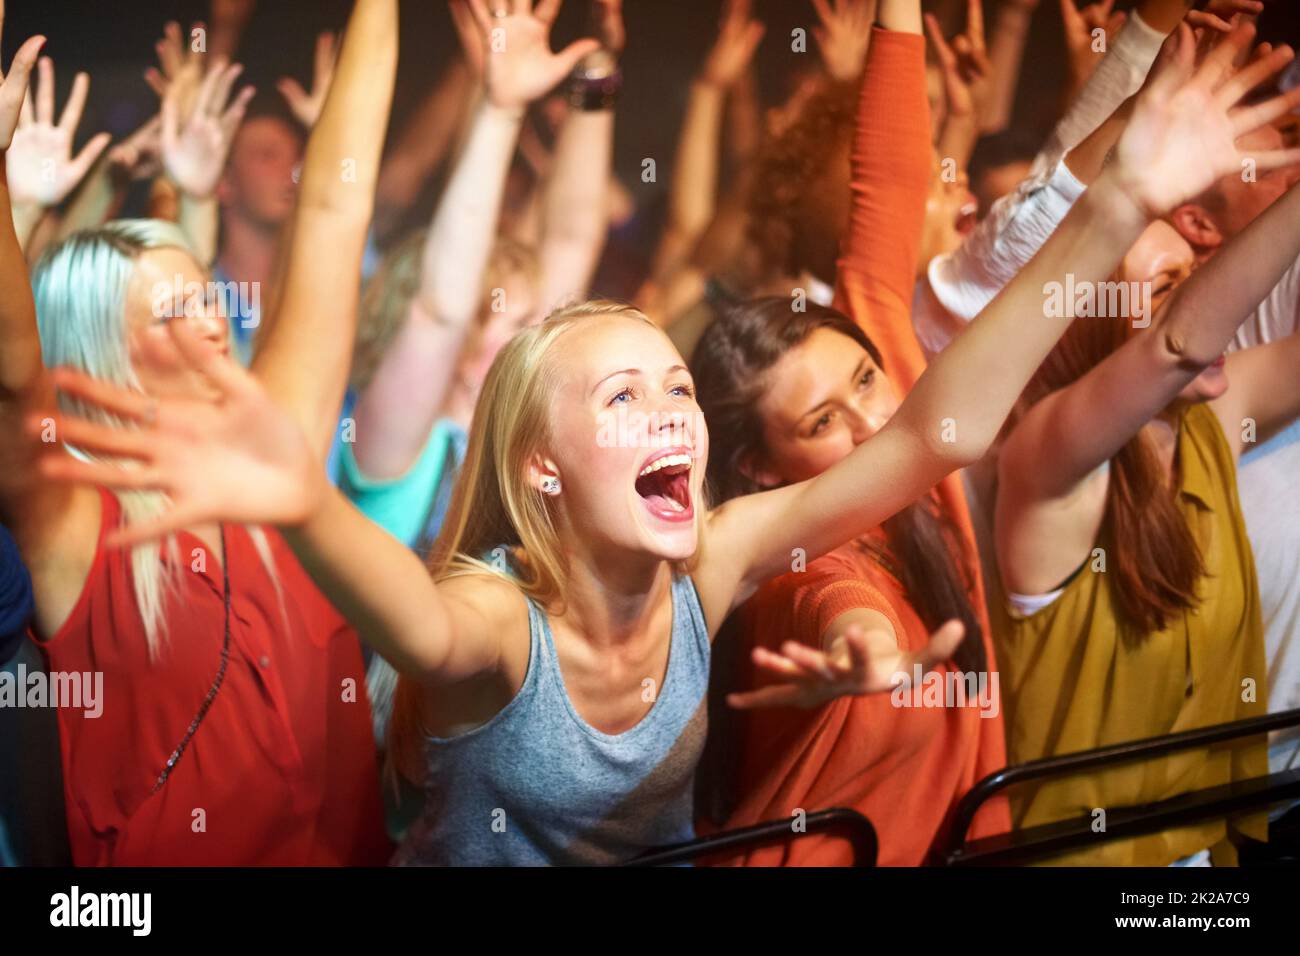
[[235, 727]]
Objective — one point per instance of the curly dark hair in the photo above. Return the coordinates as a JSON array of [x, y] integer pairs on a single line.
[[786, 171]]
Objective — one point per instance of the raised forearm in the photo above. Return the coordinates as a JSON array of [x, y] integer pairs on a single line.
[[305, 351], [575, 208], [20, 344], [25, 218], [901, 15], [199, 218], [973, 384], [378, 584], [96, 202], [1164, 15], [422, 144], [695, 174], [1207, 308], [464, 224], [1006, 51]]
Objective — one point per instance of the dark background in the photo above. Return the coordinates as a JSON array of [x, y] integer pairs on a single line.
[[667, 40]]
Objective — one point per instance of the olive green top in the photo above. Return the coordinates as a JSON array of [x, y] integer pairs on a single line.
[[1073, 680]]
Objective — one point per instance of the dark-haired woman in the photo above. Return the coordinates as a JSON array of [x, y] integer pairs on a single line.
[[787, 394]]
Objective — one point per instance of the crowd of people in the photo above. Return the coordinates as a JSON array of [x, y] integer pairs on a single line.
[[917, 449]]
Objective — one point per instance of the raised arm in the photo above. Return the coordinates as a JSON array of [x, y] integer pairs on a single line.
[[891, 166], [1143, 376], [1006, 53], [397, 409], [968, 84], [50, 522], [305, 348], [195, 145], [41, 168], [575, 209], [204, 454], [20, 358], [692, 197], [954, 413]]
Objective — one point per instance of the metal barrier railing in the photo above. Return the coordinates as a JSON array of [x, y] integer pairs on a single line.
[[856, 828], [1034, 843]]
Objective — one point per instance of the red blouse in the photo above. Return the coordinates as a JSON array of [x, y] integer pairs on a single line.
[[282, 769]]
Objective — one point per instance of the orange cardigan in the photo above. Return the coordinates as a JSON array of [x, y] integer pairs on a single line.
[[904, 768], [876, 274]]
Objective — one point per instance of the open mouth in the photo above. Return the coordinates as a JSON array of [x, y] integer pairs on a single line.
[[967, 218], [664, 484]]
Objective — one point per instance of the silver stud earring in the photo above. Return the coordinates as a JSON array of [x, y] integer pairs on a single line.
[[551, 485]]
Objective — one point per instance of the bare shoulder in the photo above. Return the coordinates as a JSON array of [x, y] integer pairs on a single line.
[[487, 600], [720, 563]]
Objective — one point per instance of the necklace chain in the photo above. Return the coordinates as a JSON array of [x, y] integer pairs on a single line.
[[216, 683]]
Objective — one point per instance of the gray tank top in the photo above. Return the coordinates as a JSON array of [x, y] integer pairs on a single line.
[[538, 785]]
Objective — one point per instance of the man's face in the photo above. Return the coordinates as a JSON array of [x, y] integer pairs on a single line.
[[258, 183]]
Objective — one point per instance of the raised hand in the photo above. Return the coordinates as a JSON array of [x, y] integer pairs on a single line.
[[307, 106], [13, 85], [139, 156], [469, 34], [849, 666], [40, 165], [1182, 135], [194, 147], [178, 63], [609, 23], [519, 66], [235, 457], [967, 72], [844, 35], [738, 37]]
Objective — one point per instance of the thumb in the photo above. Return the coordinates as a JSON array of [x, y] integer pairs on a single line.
[[568, 58], [943, 644]]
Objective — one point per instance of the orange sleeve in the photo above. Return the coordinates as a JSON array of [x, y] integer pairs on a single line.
[[810, 600], [890, 181]]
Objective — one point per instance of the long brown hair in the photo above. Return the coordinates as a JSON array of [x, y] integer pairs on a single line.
[[730, 367], [1155, 562]]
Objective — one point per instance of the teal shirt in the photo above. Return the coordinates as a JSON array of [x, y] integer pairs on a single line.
[[409, 507]]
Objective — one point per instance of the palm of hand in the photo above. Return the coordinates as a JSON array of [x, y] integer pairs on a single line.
[[194, 161], [237, 459], [38, 164], [1175, 147], [520, 66]]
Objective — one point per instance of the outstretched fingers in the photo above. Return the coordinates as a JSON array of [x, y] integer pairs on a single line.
[[98, 437], [943, 644], [15, 88], [1252, 75], [1246, 119], [125, 404], [45, 92], [72, 110]]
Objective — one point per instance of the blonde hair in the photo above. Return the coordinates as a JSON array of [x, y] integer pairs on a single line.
[[80, 287], [495, 511], [386, 299]]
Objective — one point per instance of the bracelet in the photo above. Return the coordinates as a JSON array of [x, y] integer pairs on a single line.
[[592, 93]]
